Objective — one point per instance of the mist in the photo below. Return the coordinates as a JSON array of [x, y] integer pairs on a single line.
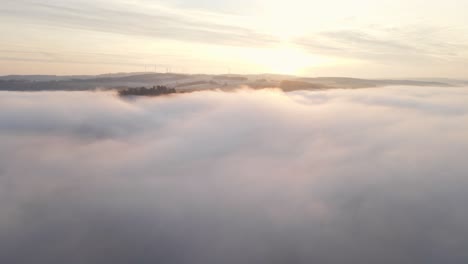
[[252, 176]]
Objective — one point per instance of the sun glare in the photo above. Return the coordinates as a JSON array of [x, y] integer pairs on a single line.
[[287, 59]]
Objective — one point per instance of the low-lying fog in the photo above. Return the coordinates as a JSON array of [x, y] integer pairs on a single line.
[[261, 177]]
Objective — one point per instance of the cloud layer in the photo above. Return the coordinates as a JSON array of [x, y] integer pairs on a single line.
[[130, 19], [343, 176]]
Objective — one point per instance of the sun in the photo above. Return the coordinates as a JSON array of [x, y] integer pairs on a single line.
[[287, 59]]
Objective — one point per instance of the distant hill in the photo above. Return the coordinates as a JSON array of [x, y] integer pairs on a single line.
[[189, 82], [289, 85], [43, 78], [343, 82]]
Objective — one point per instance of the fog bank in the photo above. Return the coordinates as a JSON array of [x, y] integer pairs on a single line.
[[339, 176]]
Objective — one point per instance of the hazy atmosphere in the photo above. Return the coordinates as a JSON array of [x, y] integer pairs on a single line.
[[342, 176], [233, 132], [362, 38]]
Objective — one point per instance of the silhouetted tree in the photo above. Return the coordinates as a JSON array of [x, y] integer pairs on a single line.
[[142, 91]]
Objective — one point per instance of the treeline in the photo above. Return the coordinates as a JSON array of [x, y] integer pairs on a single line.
[[143, 91]]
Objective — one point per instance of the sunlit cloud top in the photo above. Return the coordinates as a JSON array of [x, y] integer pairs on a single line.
[[360, 38]]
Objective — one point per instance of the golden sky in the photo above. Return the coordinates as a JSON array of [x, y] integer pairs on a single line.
[[361, 38]]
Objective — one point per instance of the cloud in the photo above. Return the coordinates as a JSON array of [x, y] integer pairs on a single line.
[[387, 45], [138, 19], [342, 176]]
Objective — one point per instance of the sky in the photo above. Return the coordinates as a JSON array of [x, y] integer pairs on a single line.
[[362, 38], [248, 176]]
